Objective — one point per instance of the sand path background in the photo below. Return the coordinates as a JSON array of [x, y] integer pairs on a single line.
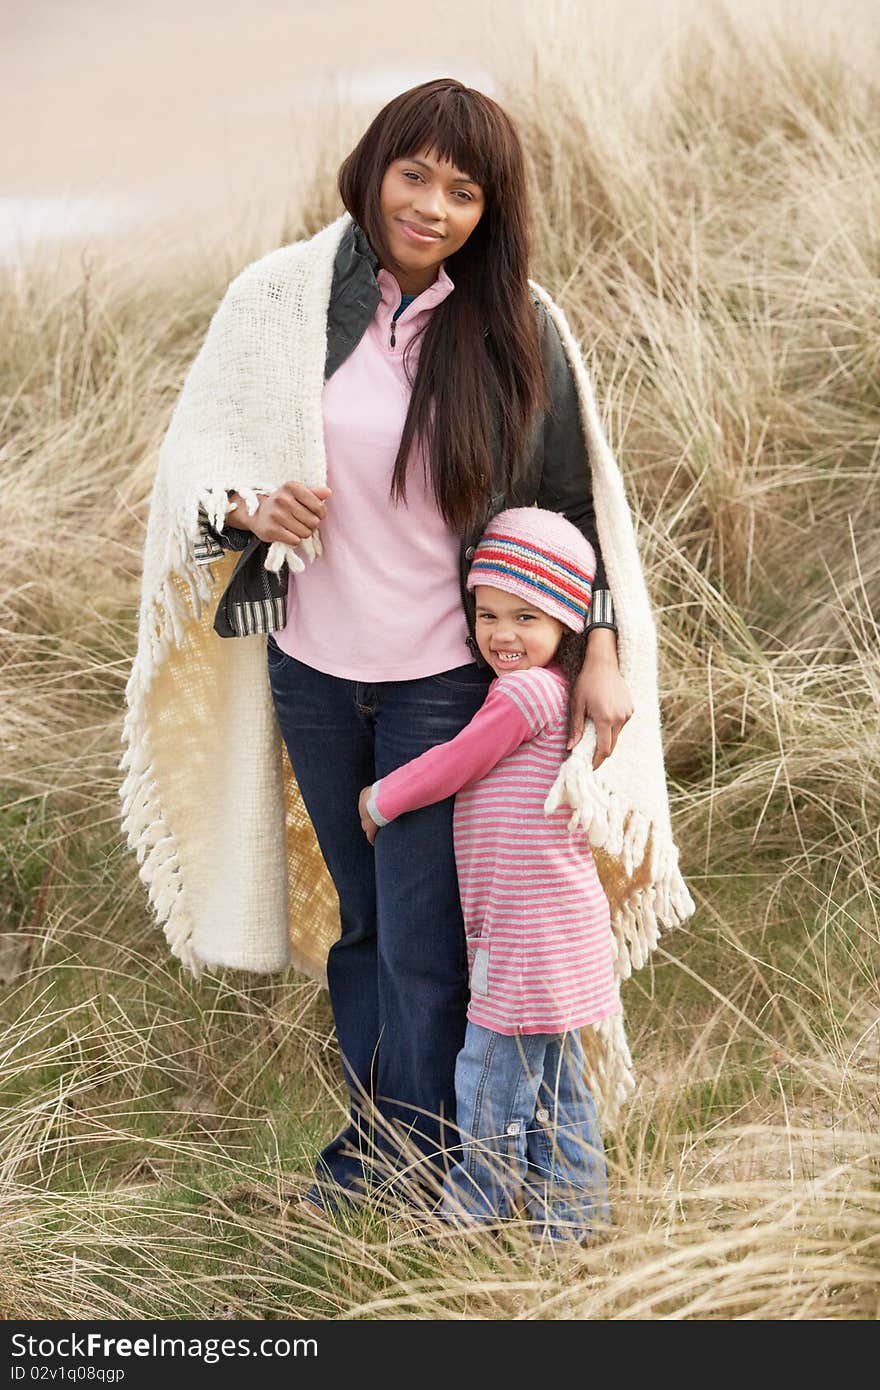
[[148, 107], [122, 111]]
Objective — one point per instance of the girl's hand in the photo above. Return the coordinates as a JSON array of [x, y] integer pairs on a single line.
[[601, 694], [368, 825], [290, 514]]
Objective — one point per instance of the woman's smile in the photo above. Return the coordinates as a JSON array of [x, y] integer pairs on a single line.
[[420, 234]]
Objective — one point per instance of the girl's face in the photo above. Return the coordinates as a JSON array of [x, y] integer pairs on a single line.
[[429, 209], [511, 634]]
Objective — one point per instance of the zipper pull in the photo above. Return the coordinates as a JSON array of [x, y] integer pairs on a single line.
[[393, 333]]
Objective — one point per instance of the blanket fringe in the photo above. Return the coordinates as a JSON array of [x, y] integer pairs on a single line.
[[185, 589], [143, 821], [624, 834], [217, 506]]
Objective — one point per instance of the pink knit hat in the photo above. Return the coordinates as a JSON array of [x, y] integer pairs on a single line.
[[542, 558]]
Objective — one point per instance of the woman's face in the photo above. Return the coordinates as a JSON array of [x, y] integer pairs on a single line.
[[429, 209]]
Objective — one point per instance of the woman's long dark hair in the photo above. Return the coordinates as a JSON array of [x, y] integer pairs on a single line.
[[480, 376]]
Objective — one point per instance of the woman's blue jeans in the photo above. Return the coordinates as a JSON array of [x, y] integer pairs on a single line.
[[529, 1131], [398, 973]]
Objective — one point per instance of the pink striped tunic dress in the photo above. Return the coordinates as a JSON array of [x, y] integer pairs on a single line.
[[536, 916]]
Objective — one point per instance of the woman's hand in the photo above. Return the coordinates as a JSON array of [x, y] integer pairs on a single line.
[[368, 825], [290, 514], [601, 694]]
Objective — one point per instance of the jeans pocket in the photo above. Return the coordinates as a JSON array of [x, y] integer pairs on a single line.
[[275, 657]]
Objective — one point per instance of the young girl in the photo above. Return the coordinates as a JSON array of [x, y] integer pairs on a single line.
[[536, 917]]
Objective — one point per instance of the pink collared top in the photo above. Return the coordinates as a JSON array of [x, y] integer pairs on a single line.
[[382, 603]]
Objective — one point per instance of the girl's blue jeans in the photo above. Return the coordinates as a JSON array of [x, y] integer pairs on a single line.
[[529, 1129], [398, 973]]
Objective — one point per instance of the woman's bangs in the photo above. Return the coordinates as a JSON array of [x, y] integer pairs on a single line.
[[453, 131]]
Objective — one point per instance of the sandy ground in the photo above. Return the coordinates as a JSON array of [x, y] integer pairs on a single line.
[[104, 92], [124, 111], [128, 108]]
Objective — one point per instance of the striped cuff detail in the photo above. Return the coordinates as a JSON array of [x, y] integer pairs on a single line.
[[206, 548], [211, 544], [601, 610], [259, 615], [372, 809]]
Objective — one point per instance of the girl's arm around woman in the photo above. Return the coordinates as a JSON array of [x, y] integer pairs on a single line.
[[498, 727]]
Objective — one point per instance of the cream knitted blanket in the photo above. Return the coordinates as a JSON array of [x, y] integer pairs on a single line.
[[229, 859]]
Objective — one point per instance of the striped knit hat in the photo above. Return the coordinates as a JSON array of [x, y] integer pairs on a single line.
[[542, 558]]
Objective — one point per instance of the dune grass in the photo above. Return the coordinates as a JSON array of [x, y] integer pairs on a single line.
[[716, 247]]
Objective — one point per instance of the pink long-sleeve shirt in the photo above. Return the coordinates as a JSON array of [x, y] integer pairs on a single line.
[[536, 917], [383, 601]]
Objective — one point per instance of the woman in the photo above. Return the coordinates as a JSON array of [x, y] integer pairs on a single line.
[[363, 404]]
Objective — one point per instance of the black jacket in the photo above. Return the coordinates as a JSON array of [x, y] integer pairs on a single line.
[[557, 476]]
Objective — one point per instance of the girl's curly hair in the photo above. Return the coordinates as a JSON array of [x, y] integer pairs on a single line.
[[570, 656]]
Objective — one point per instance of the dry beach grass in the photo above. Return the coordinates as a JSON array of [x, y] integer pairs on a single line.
[[717, 249]]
